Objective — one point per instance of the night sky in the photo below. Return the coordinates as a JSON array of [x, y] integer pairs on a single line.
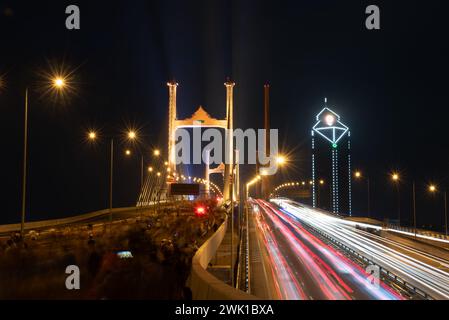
[[389, 86]]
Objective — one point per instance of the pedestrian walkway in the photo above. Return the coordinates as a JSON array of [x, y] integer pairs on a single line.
[[219, 266]]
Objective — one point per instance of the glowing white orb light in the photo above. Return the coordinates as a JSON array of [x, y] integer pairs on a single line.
[[330, 120]]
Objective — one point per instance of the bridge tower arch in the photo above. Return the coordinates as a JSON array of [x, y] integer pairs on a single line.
[[202, 119]]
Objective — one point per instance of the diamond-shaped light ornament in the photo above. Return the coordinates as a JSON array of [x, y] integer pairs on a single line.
[[330, 127]]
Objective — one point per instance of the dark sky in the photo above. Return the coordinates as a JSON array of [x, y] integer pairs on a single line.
[[390, 86]]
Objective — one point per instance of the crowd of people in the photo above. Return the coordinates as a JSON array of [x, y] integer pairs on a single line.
[[146, 257]]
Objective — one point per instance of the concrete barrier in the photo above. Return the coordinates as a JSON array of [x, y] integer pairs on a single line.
[[65, 221], [204, 285]]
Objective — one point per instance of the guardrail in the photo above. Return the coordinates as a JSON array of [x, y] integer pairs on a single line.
[[65, 221], [405, 285], [420, 233], [243, 272], [423, 234], [204, 285]]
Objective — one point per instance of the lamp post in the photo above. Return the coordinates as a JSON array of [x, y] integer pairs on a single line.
[[445, 211], [396, 179], [318, 198], [433, 189], [358, 175], [414, 207], [93, 136], [57, 83], [111, 178]]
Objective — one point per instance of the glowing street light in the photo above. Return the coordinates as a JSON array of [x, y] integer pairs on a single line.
[[432, 188], [150, 169], [321, 182], [92, 135], [395, 177], [281, 160], [358, 175], [157, 153], [59, 83], [132, 135]]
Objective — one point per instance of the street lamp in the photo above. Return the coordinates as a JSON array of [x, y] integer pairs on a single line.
[[57, 83], [318, 198], [157, 153], [445, 212], [132, 135], [92, 136], [396, 180], [281, 160], [358, 175], [433, 189]]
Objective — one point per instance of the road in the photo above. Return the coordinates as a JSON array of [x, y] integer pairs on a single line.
[[297, 265], [423, 270]]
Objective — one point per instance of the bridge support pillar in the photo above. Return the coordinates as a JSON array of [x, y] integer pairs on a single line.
[[229, 163], [172, 88]]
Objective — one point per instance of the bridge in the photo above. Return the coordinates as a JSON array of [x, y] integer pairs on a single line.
[[274, 243], [308, 253]]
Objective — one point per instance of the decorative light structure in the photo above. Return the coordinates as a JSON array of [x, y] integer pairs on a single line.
[[330, 128]]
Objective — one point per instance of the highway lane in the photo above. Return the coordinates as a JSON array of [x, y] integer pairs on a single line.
[[423, 270], [261, 278], [302, 267]]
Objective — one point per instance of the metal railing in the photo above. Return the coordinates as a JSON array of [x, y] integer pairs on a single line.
[[243, 273], [388, 275], [430, 234]]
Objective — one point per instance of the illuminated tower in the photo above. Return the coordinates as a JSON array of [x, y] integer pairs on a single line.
[[330, 128]]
